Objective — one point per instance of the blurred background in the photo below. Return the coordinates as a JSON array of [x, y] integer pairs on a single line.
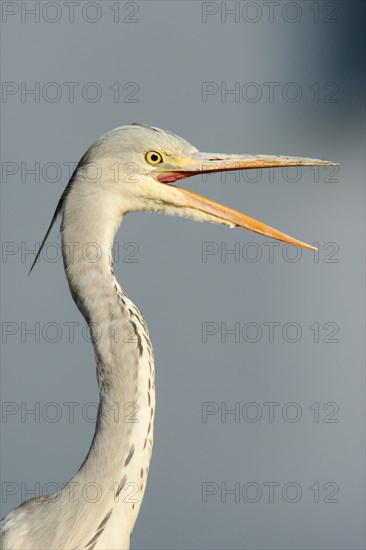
[[286, 469]]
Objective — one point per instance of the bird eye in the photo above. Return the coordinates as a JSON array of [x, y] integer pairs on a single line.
[[153, 157]]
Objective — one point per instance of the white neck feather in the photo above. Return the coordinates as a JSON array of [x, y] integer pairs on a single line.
[[118, 460]]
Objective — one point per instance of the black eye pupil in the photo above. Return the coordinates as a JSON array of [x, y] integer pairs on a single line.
[[154, 157]]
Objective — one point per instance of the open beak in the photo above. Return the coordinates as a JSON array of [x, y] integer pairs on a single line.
[[203, 163]]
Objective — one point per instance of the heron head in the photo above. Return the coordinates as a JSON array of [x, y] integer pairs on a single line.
[[136, 167], [139, 165]]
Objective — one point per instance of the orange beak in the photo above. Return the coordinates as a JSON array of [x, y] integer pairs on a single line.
[[203, 163]]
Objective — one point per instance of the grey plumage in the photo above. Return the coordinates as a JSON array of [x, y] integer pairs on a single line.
[[92, 210]]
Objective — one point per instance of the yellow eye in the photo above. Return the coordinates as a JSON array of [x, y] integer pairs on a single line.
[[153, 157]]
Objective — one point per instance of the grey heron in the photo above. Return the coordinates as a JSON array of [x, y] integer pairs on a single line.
[[132, 168]]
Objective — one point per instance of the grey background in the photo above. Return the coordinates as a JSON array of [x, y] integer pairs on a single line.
[[169, 52]]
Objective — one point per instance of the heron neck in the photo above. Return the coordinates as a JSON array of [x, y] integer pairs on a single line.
[[119, 456]]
